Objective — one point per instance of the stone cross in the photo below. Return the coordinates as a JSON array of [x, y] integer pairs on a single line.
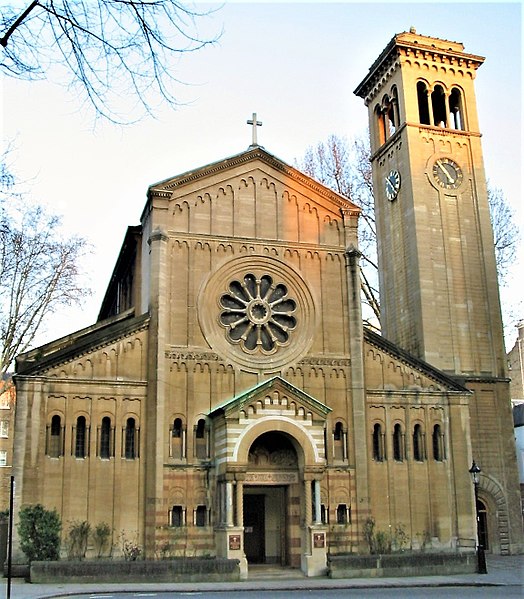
[[255, 124]]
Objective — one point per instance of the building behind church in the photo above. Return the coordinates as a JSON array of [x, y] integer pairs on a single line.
[[229, 400]]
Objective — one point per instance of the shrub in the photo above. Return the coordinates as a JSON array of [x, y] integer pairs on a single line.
[[77, 538], [39, 531], [100, 536]]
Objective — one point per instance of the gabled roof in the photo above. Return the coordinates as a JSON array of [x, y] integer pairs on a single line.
[[427, 369], [276, 382], [80, 342], [168, 186]]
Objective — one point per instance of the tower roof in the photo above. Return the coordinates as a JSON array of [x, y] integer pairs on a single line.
[[411, 43]]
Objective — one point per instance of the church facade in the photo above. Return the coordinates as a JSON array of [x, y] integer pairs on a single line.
[[229, 400]]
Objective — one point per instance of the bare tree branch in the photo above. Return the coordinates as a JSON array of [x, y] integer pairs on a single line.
[[111, 49], [39, 269]]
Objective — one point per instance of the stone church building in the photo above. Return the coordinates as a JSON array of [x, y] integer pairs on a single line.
[[229, 400]]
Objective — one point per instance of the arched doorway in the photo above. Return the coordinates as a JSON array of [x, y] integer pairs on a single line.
[[271, 501], [482, 512]]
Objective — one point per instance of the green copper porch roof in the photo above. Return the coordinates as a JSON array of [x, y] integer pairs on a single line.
[[237, 402]]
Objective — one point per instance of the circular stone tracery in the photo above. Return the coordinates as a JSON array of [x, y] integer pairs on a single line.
[[257, 314]]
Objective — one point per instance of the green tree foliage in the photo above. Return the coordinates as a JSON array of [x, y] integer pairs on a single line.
[[39, 531]]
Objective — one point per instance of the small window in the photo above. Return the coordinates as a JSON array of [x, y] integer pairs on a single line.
[[130, 434], [339, 441], [455, 110], [418, 446], [80, 437], [55, 438], [343, 514], [176, 431], [106, 450], [177, 516], [378, 443], [438, 443], [201, 516], [423, 103], [398, 443], [176, 448], [4, 429], [201, 450], [3, 458], [438, 104]]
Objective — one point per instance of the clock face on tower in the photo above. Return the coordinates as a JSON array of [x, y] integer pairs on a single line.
[[392, 185], [447, 173]]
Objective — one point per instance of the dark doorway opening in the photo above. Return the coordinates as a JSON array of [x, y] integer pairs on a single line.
[[483, 525], [254, 527]]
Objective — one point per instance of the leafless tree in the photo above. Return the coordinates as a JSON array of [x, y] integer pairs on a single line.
[[114, 50], [506, 233], [346, 168], [39, 268]]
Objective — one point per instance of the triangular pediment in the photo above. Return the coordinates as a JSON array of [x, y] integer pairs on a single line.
[[275, 396], [253, 159]]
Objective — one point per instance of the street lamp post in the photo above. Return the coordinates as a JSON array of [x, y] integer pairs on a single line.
[[481, 556]]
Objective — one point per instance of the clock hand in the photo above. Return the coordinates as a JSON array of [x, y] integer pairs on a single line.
[[445, 171]]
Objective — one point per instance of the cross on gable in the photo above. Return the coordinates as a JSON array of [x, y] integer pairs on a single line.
[[254, 124]]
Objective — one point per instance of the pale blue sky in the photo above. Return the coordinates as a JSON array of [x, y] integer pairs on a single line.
[[296, 65]]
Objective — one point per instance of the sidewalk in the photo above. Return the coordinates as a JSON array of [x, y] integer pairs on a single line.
[[502, 571]]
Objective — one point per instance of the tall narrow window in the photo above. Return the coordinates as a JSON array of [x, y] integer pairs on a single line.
[[201, 440], [378, 443], [398, 443], [438, 104], [201, 516], [343, 514], [130, 439], [177, 516], [80, 437], [455, 109], [423, 103], [438, 444], [380, 123], [4, 429], [105, 438], [418, 444], [177, 439], [338, 441], [55, 438]]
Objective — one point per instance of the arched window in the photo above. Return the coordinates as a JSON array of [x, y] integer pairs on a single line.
[[423, 103], [438, 443], [201, 515], [398, 443], [177, 516], [456, 110], [177, 447], [55, 438], [130, 436], [81, 437], [201, 440], [105, 444], [339, 442], [418, 444], [343, 514], [438, 104], [378, 443], [380, 123]]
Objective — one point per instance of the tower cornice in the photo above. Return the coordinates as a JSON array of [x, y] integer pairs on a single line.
[[404, 46]]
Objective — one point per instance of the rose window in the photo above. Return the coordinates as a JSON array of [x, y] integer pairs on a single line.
[[258, 314]]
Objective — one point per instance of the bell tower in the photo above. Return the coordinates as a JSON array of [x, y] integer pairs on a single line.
[[438, 277]]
